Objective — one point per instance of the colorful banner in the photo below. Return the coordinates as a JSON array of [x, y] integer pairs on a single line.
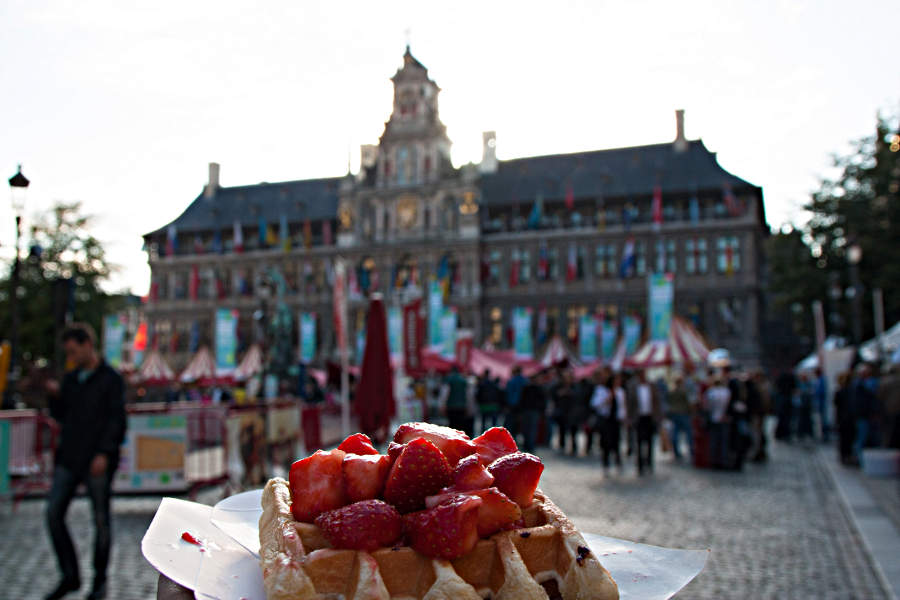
[[154, 454], [435, 313], [587, 338], [226, 340], [307, 337], [395, 332], [360, 345], [113, 339], [464, 344], [661, 292], [448, 333], [608, 334], [523, 345], [631, 331], [413, 337]]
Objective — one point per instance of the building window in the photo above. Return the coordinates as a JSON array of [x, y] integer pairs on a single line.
[[665, 256], [495, 262], [525, 266], [728, 254], [605, 260], [402, 166], [640, 258], [695, 261], [553, 259]]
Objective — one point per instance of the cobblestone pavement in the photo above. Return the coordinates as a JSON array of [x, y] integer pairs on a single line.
[[776, 531]]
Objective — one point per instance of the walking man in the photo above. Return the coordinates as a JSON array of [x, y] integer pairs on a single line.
[[90, 408], [645, 406]]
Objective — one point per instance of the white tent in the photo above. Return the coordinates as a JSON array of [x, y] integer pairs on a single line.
[[890, 342]]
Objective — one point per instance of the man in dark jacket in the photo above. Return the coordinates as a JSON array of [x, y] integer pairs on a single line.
[[534, 404], [90, 408]]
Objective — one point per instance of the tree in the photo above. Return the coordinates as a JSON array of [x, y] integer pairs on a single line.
[[60, 279]]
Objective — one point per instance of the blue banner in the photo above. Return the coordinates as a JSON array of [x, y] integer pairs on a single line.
[[587, 338], [435, 313], [608, 334], [523, 345], [226, 340], [113, 339], [661, 292], [448, 334], [631, 331], [307, 337], [395, 331]]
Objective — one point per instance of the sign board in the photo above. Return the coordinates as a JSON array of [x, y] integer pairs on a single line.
[[523, 344], [307, 337], [587, 338], [631, 331], [153, 455], [226, 340], [661, 290]]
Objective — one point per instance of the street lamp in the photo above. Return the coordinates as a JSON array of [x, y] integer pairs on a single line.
[[854, 256], [18, 185]]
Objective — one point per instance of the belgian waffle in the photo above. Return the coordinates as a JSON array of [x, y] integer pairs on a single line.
[[548, 558]]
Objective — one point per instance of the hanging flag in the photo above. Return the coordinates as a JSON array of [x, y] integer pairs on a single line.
[[364, 279], [543, 262], [694, 209], [194, 288], [729, 258], [220, 285], [572, 263], [570, 197], [198, 245], [731, 203], [262, 231], [307, 234], [657, 208], [238, 237], [626, 268], [534, 219], [140, 337], [194, 339], [627, 215], [171, 241], [326, 232], [284, 233], [443, 275], [217, 242]]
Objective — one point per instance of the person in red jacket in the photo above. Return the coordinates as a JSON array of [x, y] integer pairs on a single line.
[[90, 408]]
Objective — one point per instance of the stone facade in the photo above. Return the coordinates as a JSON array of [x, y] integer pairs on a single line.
[[547, 232]]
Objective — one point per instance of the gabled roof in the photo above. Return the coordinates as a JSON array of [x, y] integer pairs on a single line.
[[617, 172], [313, 199]]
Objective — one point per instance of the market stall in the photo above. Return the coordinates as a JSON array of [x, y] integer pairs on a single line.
[[685, 346]]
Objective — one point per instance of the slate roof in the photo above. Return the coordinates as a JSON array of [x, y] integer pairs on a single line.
[[313, 199], [618, 172]]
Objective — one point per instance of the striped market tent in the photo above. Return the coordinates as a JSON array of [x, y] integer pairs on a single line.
[[684, 346], [202, 368], [154, 370], [250, 365]]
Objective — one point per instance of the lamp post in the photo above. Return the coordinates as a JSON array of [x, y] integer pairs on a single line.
[[18, 184], [854, 255]]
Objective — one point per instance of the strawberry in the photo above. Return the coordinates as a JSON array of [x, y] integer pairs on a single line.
[[453, 443], [517, 476], [365, 525], [494, 443], [496, 512], [317, 485], [470, 474], [364, 475], [394, 450], [446, 531], [358, 443], [420, 471]]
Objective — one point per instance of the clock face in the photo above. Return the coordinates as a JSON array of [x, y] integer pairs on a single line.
[[407, 207]]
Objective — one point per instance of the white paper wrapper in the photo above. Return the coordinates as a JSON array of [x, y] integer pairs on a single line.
[[226, 566]]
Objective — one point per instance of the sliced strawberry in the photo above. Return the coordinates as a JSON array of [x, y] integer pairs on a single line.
[[517, 475], [496, 512], [470, 474], [494, 443], [420, 471], [453, 443], [445, 494], [358, 443], [317, 485], [365, 525], [394, 450], [446, 531], [364, 475]]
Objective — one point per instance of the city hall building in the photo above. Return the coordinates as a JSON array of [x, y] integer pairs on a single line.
[[564, 234]]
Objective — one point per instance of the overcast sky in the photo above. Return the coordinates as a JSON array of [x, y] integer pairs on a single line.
[[121, 104]]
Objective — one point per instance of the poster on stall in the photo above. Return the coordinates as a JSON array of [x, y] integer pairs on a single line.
[[395, 332], [587, 338], [660, 295], [153, 455], [608, 334], [631, 331], [523, 345], [448, 333], [307, 337], [113, 339], [226, 340], [435, 314]]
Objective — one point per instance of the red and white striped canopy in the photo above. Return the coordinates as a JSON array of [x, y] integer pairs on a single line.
[[685, 346], [251, 364], [557, 352], [201, 367], [154, 370]]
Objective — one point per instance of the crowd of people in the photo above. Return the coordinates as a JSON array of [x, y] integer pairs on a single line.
[[713, 419]]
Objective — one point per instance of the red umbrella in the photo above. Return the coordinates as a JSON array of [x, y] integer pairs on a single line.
[[374, 402]]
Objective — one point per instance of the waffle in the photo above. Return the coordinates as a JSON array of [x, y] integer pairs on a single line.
[[548, 558]]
